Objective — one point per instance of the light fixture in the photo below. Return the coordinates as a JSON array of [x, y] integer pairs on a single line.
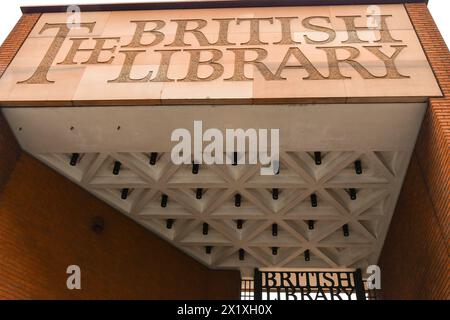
[[275, 194], [274, 229], [274, 251], [307, 257], [241, 254], [313, 200], [318, 157], [199, 193], [74, 159], [358, 167], [153, 157], [164, 199], [352, 192], [237, 200], [169, 223], [124, 194], [205, 228], [345, 230], [195, 167], [116, 168]]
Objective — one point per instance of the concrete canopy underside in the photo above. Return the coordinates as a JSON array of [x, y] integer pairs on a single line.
[[381, 136]]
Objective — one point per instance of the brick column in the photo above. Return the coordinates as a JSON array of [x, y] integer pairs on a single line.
[[415, 257]]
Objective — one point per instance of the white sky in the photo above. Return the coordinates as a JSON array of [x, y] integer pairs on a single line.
[[10, 12]]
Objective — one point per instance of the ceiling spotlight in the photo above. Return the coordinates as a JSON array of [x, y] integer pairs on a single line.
[[239, 224], [274, 229], [169, 223], [313, 200], [307, 257], [153, 157], [352, 192], [116, 168], [311, 224], [199, 193], [237, 200], [358, 167], [318, 157], [195, 167], [124, 194], [164, 199], [208, 249], [241, 254], [274, 251], [345, 230], [74, 159], [205, 228], [275, 194]]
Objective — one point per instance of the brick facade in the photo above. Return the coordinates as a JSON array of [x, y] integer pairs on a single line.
[[9, 149], [415, 258]]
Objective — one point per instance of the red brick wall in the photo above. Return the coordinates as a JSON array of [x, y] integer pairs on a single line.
[[45, 225], [415, 259], [9, 149]]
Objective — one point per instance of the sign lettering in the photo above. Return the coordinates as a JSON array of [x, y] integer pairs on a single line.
[[252, 52]]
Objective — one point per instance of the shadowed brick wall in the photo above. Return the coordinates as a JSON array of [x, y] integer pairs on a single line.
[[45, 226], [415, 259], [9, 149]]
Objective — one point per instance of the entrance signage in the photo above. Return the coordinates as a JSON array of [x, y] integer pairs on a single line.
[[220, 55]]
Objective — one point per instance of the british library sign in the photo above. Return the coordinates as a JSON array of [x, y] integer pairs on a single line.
[[267, 55]]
